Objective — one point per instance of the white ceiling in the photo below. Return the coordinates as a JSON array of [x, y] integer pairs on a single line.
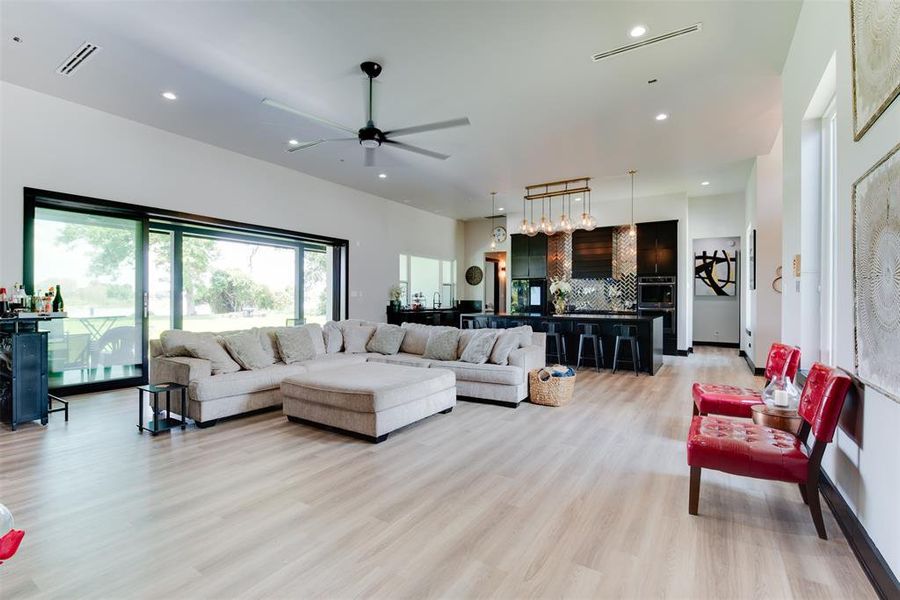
[[522, 72]]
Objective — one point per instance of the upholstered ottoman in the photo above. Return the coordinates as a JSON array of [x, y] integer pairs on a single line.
[[368, 400]]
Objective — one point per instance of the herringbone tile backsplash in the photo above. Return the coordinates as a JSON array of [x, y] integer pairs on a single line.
[[618, 292]]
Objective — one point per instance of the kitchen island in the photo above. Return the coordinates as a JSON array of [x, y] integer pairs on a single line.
[[649, 332]]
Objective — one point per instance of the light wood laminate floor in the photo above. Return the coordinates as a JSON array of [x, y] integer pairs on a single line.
[[585, 501]]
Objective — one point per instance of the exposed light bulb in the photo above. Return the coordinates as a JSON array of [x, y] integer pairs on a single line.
[[523, 228], [493, 245]]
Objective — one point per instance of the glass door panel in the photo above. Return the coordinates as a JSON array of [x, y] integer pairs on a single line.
[[315, 284], [159, 280], [234, 285], [96, 260]]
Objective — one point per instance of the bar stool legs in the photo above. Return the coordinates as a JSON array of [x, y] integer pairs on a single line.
[[625, 334], [559, 347], [593, 341]]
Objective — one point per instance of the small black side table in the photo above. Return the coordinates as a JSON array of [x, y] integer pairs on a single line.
[[156, 425]]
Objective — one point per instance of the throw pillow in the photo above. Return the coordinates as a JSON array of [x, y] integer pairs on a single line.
[[268, 342], [208, 346], [478, 350], [386, 339], [295, 344], [174, 341], [442, 344], [318, 337], [525, 334], [334, 339], [246, 349], [356, 338], [506, 342]]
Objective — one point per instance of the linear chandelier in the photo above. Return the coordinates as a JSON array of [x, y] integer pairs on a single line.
[[546, 193]]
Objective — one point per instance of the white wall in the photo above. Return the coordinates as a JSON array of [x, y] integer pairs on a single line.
[[867, 474], [477, 235], [53, 144], [717, 319], [768, 221]]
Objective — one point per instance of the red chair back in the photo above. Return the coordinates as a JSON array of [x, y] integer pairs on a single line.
[[782, 360], [822, 399]]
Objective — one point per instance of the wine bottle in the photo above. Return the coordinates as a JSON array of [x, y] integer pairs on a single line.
[[58, 305]]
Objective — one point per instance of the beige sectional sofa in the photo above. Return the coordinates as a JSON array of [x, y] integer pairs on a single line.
[[212, 396]]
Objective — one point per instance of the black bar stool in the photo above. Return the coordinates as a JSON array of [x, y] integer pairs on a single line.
[[590, 334], [554, 332], [628, 333], [468, 324]]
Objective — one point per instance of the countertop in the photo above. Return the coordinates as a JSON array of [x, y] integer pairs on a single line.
[[600, 316]]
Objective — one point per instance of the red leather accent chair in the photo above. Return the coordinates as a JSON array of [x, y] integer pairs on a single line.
[[751, 450], [731, 401]]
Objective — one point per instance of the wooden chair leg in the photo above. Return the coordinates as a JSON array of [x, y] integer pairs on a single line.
[[694, 500], [815, 508], [696, 410], [802, 487]]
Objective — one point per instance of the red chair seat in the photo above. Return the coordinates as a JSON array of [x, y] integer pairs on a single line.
[[746, 449], [718, 399]]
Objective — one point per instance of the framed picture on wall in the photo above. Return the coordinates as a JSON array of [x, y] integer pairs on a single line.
[[716, 266], [875, 44], [876, 274]]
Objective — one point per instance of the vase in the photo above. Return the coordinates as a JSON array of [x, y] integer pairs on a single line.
[[559, 306], [781, 393]]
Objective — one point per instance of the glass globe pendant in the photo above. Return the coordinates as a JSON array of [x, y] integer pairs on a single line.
[[547, 225]]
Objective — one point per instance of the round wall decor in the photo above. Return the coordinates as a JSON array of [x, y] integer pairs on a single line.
[[474, 275]]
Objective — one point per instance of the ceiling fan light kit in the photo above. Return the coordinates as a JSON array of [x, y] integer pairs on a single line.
[[370, 137]]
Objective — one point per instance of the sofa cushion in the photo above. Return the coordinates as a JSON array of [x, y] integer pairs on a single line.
[[485, 373], [268, 343], [525, 334], [356, 338], [173, 341], [506, 342], [242, 382], [387, 339], [478, 349], [331, 361], [402, 359], [367, 388], [210, 347], [246, 349], [416, 337], [334, 338], [441, 344], [295, 344]]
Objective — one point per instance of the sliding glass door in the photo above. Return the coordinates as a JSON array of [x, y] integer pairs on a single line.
[[128, 273], [97, 262]]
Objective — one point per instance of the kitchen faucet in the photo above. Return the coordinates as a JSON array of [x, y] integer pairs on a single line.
[[438, 303]]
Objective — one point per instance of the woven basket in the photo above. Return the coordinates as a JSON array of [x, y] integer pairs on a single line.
[[550, 391]]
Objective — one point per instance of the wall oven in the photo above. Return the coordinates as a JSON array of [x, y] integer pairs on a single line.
[[656, 292]]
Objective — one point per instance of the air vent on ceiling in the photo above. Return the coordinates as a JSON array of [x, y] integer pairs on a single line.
[[78, 58], [647, 42]]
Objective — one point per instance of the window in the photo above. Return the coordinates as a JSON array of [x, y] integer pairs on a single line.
[[428, 280], [827, 212], [127, 273]]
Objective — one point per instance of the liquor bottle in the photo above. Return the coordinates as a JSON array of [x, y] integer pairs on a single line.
[[4, 303], [58, 305]]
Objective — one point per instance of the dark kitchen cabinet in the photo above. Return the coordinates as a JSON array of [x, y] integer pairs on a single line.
[[529, 256], [592, 253], [657, 248]]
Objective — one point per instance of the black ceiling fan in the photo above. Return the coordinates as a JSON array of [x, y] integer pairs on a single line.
[[370, 137]]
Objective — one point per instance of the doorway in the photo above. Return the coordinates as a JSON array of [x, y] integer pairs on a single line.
[[495, 282]]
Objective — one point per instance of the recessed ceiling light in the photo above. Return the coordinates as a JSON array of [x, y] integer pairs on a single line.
[[294, 142], [169, 96], [662, 117], [637, 31], [704, 183], [500, 209], [382, 175]]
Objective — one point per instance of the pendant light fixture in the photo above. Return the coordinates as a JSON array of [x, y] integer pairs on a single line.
[[493, 202], [547, 225], [633, 231], [588, 222], [523, 228], [532, 228]]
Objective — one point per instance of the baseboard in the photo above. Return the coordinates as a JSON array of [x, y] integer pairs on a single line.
[[718, 344], [682, 352], [742, 354], [870, 559], [753, 368]]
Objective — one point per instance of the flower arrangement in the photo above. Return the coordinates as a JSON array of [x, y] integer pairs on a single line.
[[395, 292], [560, 291]]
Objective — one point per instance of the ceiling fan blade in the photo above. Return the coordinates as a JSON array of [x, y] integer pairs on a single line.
[[417, 150], [370, 157], [300, 113], [305, 145], [428, 127]]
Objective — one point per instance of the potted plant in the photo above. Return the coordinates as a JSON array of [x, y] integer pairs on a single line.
[[559, 292], [394, 296]]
